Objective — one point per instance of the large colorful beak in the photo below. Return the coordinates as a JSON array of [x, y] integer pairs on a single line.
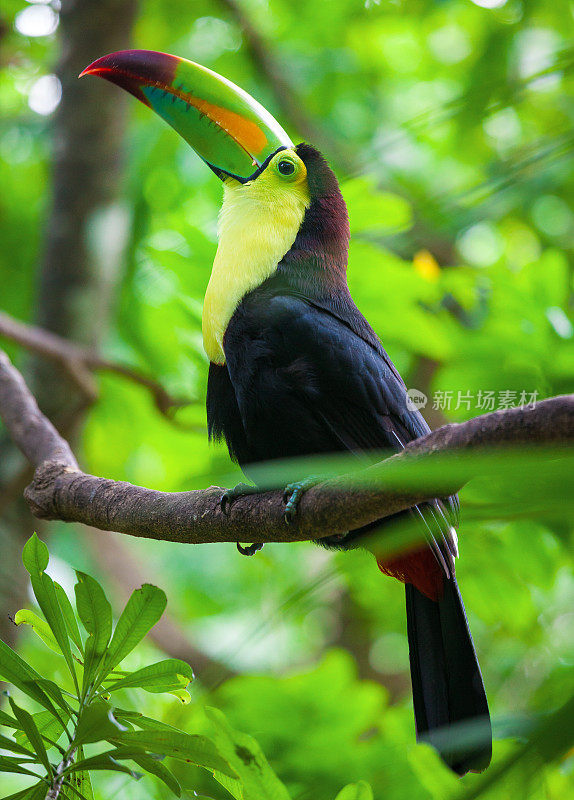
[[230, 130]]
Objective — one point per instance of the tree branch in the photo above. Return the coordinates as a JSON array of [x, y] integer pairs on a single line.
[[60, 490], [79, 362]]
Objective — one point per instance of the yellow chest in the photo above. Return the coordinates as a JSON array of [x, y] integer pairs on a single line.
[[257, 226]]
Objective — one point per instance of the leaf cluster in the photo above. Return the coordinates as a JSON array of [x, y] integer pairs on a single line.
[[49, 745]]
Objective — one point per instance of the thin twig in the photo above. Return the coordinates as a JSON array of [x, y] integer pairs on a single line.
[[79, 362]]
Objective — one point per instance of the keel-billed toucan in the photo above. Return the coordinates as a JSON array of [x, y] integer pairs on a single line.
[[297, 370]]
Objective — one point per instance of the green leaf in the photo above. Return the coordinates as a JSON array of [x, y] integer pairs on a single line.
[[103, 761], [163, 676], [8, 764], [69, 616], [155, 767], [40, 628], [34, 736], [10, 722], [35, 555], [50, 727], [45, 592], [356, 791], [54, 691], [81, 782], [95, 612], [184, 746], [146, 723], [97, 723], [15, 747], [16, 671], [254, 777], [142, 611], [35, 792]]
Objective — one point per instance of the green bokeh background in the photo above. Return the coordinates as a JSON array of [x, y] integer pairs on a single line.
[[453, 122]]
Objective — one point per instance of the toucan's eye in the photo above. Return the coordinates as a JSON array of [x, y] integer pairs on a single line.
[[285, 167]]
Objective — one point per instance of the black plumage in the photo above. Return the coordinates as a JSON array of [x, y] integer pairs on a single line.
[[306, 374]]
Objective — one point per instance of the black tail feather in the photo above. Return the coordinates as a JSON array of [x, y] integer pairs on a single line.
[[451, 710]]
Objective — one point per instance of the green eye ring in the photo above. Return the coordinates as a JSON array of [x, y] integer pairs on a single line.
[[286, 167]]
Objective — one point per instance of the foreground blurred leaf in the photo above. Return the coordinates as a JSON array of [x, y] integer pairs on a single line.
[[550, 741], [255, 778]]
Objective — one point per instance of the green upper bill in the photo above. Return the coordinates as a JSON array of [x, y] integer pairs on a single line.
[[230, 130]]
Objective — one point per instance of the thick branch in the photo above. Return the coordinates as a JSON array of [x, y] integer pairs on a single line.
[[80, 361], [61, 491]]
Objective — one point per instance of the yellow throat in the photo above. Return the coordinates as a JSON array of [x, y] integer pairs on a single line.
[[258, 224]]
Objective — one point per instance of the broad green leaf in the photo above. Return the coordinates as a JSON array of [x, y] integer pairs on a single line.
[[45, 592], [28, 724], [96, 614], [550, 740], [164, 676], [142, 611], [81, 782], [155, 767], [8, 764], [97, 723], [35, 555], [57, 694], [15, 747], [50, 727], [10, 722], [356, 791], [39, 626], [143, 722], [184, 746], [103, 761], [254, 777], [69, 616], [182, 695], [69, 791], [36, 792], [16, 671]]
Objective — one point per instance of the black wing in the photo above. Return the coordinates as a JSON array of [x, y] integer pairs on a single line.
[[305, 383]]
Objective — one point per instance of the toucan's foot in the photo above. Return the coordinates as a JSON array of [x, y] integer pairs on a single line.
[[227, 500], [293, 493], [231, 495]]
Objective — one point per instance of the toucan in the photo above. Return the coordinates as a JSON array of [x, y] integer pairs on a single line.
[[296, 370]]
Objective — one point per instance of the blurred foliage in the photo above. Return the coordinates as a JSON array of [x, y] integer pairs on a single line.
[[459, 117]]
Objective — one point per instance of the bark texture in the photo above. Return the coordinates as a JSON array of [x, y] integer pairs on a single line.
[[60, 490]]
